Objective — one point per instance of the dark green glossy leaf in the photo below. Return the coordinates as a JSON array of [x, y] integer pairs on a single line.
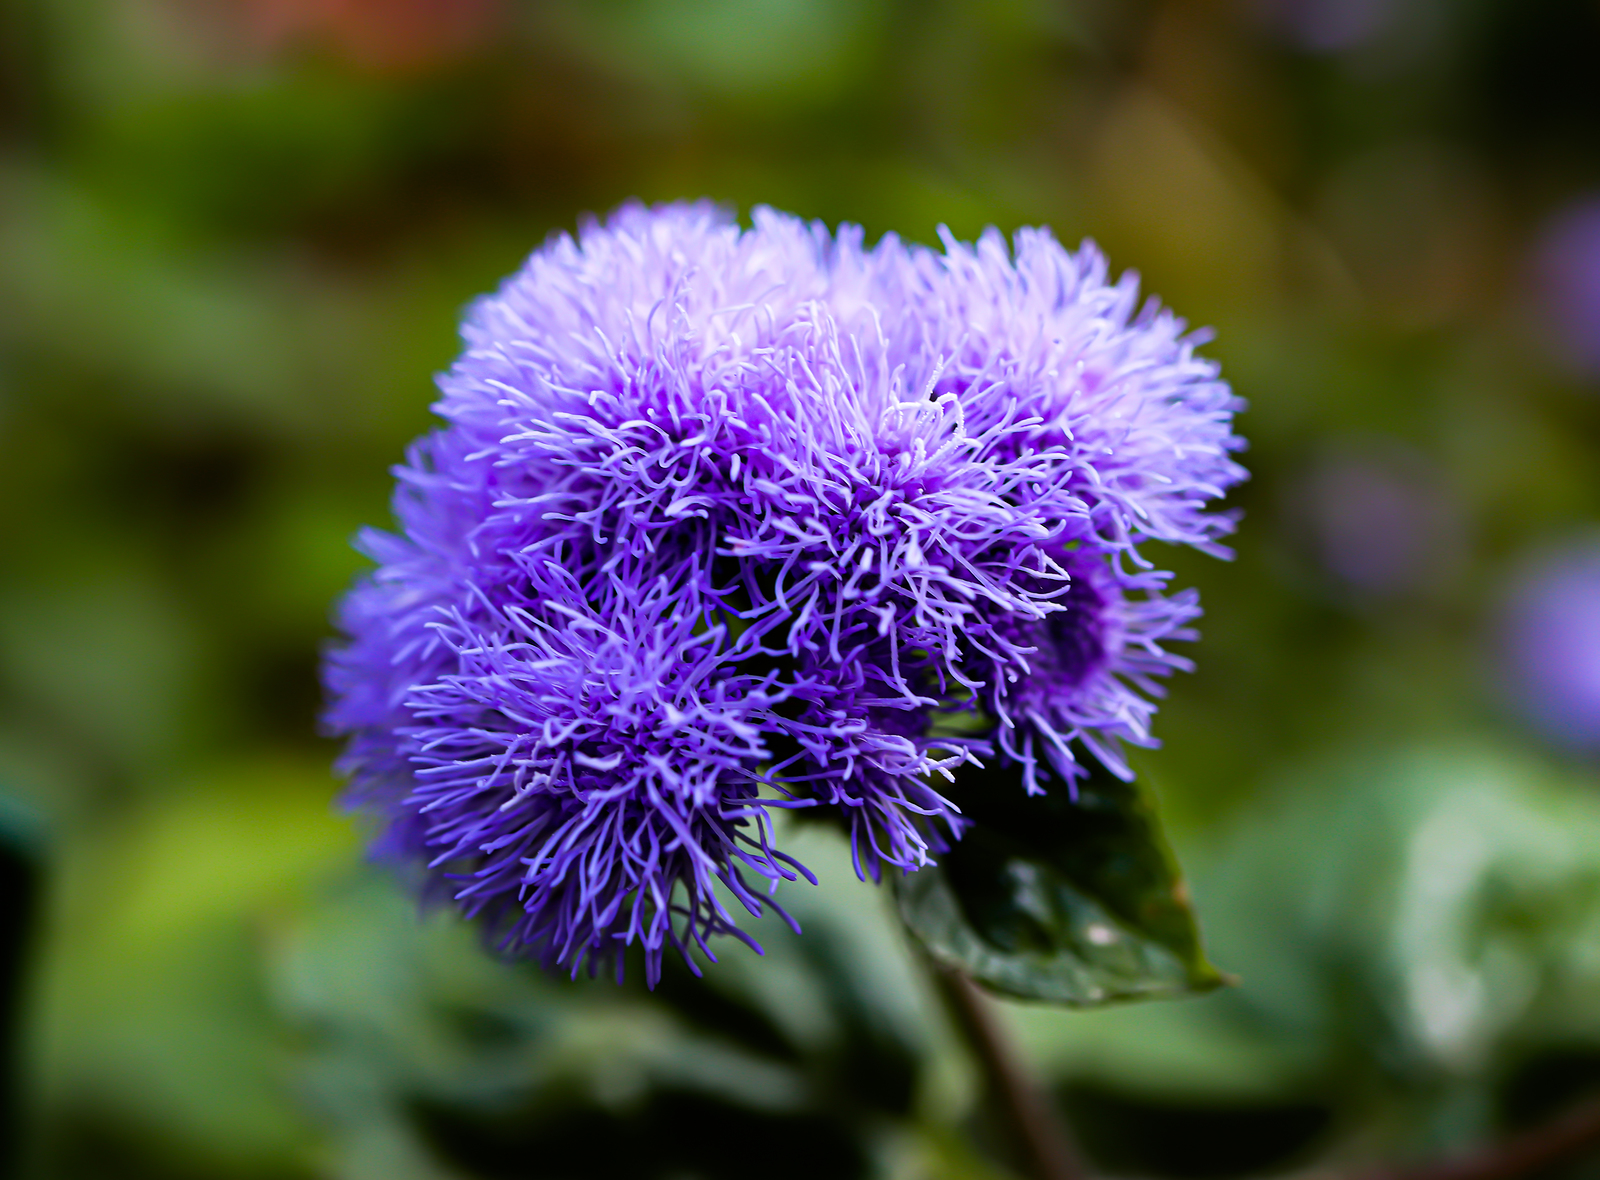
[[1075, 902]]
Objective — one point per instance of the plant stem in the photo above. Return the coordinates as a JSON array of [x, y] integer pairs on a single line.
[[1022, 1102], [1047, 1152], [1521, 1155]]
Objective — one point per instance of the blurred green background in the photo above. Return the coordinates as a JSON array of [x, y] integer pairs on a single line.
[[235, 240]]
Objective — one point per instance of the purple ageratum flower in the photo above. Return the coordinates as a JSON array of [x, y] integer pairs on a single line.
[[1550, 645], [1378, 519], [1566, 265], [1333, 26], [725, 521]]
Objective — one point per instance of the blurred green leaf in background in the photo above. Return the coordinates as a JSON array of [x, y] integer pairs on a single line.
[[235, 238]]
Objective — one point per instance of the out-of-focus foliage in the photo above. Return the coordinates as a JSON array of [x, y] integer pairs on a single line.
[[234, 241], [1418, 935], [427, 1058]]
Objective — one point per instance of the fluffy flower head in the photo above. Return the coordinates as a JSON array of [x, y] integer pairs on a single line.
[[726, 520]]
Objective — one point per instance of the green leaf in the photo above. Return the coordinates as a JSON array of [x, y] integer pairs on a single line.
[[1075, 902]]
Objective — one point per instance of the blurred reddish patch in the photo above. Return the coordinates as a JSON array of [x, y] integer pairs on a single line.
[[382, 36]]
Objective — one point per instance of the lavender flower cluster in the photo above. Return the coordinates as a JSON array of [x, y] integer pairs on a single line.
[[726, 520]]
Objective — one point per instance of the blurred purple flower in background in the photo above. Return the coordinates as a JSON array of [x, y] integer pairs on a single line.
[[1550, 644], [730, 520], [1567, 276], [1378, 520], [1327, 26]]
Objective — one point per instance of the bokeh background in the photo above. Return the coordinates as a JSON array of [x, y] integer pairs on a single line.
[[235, 240]]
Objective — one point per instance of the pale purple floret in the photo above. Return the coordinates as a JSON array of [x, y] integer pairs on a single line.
[[729, 520]]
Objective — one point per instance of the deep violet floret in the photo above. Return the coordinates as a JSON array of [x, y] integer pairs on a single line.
[[726, 521]]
